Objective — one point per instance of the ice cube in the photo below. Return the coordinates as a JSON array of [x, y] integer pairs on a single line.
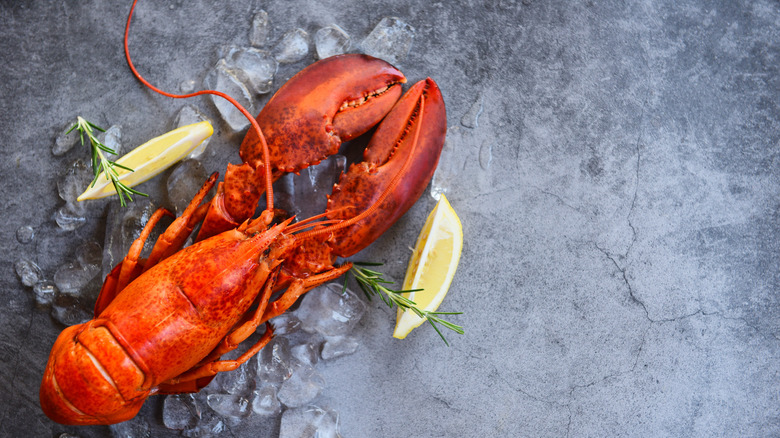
[[330, 41], [69, 217], [328, 311], [28, 272], [44, 292], [181, 411], [65, 140], [229, 405], [309, 421], [471, 118], [210, 425], [123, 225], [313, 185], [112, 139], [76, 179], [274, 363], [303, 386], [390, 40], [184, 182], [72, 278], [447, 171], [90, 253], [220, 78], [286, 324], [135, 428], [187, 86], [70, 314], [254, 68], [261, 30], [293, 46], [265, 402], [306, 353], [25, 234], [339, 346], [239, 381], [188, 115]]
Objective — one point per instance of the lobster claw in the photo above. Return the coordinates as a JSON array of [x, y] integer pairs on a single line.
[[390, 148], [333, 100]]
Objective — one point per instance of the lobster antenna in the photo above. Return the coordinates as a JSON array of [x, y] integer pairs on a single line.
[[266, 155], [393, 183]]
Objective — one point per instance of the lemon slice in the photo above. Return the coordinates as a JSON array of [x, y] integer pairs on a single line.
[[432, 266], [151, 158]]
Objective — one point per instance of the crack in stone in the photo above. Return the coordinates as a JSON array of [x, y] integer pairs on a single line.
[[558, 198], [769, 336], [625, 280], [636, 184]]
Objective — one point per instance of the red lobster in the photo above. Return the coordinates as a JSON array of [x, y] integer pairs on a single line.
[[162, 324]]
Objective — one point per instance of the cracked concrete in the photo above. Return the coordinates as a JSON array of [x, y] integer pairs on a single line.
[[614, 166]]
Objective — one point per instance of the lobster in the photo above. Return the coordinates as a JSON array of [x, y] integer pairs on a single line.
[[162, 323]]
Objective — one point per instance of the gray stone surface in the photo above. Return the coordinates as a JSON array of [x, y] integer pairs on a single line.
[[617, 180]]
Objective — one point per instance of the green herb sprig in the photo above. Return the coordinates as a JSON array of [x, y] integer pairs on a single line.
[[100, 164], [373, 283]]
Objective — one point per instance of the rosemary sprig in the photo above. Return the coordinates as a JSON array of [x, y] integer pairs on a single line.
[[100, 164], [373, 283]]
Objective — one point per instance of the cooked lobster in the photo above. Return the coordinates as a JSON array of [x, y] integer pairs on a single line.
[[162, 323]]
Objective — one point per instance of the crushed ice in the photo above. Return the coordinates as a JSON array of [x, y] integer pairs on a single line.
[[293, 47], [282, 378], [330, 41], [390, 40]]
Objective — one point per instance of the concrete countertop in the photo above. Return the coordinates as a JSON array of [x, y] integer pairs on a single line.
[[614, 165]]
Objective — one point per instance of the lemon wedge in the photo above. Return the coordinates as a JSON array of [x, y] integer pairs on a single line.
[[432, 266], [151, 158]]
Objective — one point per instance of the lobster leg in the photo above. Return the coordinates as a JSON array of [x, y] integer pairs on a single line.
[[171, 240], [299, 287], [177, 233], [130, 267], [246, 327], [212, 368], [200, 375]]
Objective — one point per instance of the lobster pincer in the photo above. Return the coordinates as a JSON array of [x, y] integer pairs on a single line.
[[328, 102]]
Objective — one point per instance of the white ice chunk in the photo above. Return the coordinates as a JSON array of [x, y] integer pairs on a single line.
[[184, 182], [330, 41], [180, 411], [309, 421], [222, 79], [253, 67], [229, 405], [303, 386], [339, 346], [261, 29], [293, 46], [390, 40], [265, 402], [28, 272], [328, 311]]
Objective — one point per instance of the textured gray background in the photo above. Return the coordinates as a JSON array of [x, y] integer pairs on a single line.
[[619, 198]]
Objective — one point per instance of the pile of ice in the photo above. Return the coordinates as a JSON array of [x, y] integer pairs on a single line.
[[245, 73], [283, 377]]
